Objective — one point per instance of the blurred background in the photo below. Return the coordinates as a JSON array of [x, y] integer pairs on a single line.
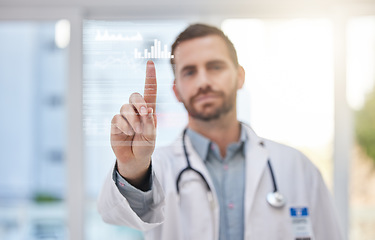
[[66, 67]]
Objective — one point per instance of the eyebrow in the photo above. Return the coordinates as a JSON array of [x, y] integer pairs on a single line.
[[214, 62]]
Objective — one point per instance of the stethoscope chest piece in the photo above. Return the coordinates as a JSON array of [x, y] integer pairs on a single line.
[[276, 199]]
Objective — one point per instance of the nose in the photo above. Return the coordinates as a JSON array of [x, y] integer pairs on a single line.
[[203, 79]]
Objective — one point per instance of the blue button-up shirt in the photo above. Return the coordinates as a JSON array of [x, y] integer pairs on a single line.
[[228, 176]]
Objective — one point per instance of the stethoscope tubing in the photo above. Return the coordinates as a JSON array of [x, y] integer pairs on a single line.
[[188, 167], [277, 200]]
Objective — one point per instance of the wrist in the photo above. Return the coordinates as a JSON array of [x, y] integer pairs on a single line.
[[137, 176]]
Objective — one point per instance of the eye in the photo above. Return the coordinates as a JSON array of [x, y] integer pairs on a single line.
[[188, 73], [216, 67]]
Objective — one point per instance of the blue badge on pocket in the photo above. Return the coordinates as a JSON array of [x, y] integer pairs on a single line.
[[301, 225]]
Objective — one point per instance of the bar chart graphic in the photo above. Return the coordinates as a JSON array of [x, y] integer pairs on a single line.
[[155, 51]]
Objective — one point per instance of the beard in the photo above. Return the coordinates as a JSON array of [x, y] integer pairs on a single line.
[[228, 103]]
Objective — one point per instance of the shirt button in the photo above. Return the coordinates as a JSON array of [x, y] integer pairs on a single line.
[[225, 167], [230, 205]]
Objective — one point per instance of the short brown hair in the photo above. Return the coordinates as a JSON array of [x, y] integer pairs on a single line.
[[202, 30]]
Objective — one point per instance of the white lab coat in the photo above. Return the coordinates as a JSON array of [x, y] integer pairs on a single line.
[[192, 216]]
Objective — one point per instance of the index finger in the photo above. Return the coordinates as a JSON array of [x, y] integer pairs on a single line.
[[150, 85]]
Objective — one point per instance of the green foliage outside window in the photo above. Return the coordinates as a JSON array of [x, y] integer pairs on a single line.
[[365, 126]]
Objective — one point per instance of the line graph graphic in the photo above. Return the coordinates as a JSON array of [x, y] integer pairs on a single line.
[[112, 61], [116, 37], [155, 51]]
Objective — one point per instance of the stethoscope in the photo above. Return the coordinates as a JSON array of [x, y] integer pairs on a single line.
[[275, 198]]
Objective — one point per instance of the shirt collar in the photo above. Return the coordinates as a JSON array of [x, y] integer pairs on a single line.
[[202, 144]]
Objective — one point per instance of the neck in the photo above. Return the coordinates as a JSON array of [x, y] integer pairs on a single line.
[[222, 131]]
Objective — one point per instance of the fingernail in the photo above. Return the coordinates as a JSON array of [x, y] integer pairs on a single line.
[[143, 111], [150, 112]]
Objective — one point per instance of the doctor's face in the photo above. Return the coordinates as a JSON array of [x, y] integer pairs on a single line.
[[207, 80]]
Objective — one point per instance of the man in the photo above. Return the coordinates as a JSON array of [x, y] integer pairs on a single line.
[[214, 182]]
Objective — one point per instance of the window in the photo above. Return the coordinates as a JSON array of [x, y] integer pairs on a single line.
[[360, 89], [33, 62], [289, 77], [114, 67]]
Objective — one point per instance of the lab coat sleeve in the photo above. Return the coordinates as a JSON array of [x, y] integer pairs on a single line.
[[323, 213], [115, 208], [139, 200]]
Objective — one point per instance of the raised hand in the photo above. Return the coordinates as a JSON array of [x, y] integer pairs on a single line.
[[133, 131]]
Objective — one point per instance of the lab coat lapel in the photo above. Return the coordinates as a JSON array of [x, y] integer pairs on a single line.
[[198, 164], [256, 163]]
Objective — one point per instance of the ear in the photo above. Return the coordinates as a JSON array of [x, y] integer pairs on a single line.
[[240, 76], [175, 90]]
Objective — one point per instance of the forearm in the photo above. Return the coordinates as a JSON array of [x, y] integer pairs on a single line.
[[116, 209]]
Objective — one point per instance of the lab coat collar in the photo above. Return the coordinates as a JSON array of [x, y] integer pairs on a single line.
[[202, 144], [256, 159], [252, 139]]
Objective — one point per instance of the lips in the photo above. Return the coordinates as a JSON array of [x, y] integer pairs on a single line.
[[206, 97]]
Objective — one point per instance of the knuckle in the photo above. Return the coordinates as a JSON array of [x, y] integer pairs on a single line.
[[124, 107], [127, 111], [116, 118], [134, 96]]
